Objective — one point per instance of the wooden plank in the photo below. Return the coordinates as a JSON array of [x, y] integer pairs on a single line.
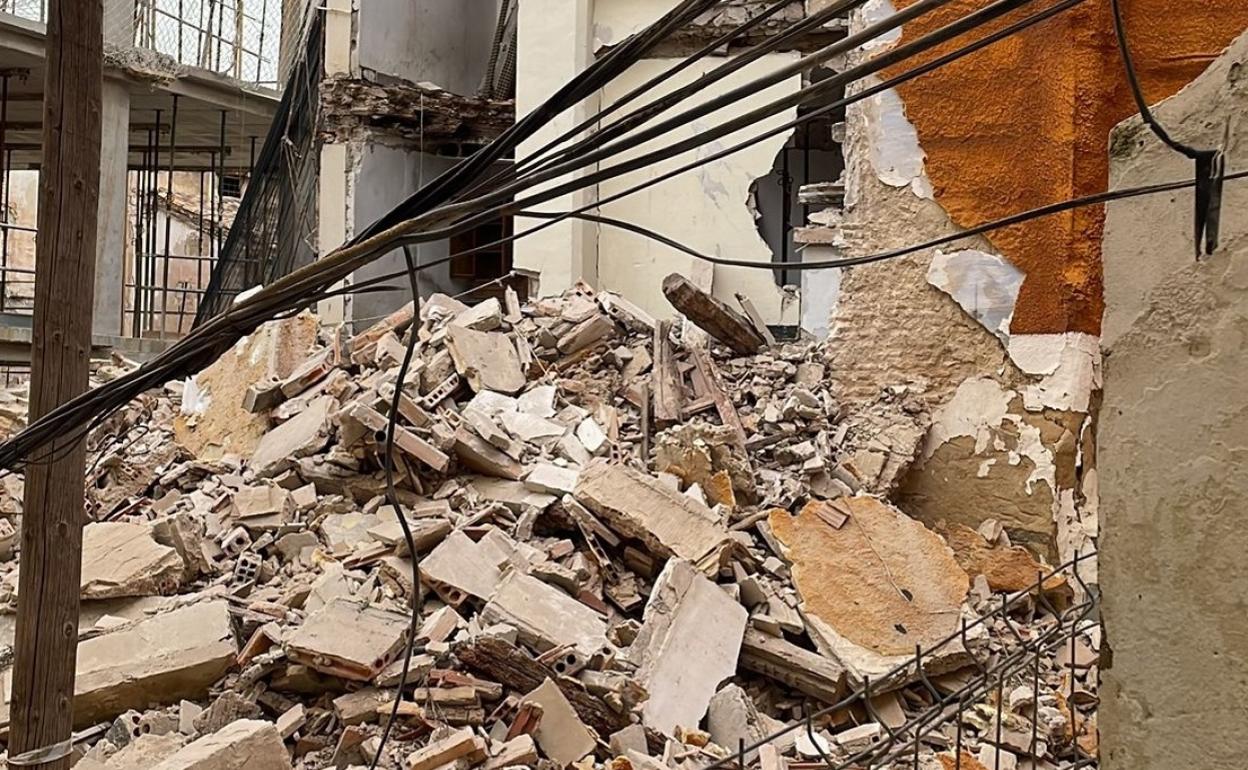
[[756, 319], [712, 316], [668, 394], [69, 189], [715, 387], [801, 669]]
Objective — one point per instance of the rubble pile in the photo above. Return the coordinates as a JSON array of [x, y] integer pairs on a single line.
[[638, 543]]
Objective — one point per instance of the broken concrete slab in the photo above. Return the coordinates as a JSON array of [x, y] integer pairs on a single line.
[[300, 436], [545, 616], [161, 659], [639, 506], [688, 644], [874, 589], [376, 637], [121, 559], [247, 743], [487, 360], [551, 479], [561, 734], [460, 568]]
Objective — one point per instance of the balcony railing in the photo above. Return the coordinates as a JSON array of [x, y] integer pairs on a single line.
[[237, 38]]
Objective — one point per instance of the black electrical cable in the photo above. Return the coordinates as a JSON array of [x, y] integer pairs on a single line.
[[515, 206], [643, 114], [1210, 164], [393, 496], [640, 90]]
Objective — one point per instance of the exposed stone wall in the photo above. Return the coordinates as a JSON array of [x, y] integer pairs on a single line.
[[1173, 440]]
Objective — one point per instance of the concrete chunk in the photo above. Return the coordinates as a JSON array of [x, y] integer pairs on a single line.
[[689, 642], [247, 743], [120, 559], [487, 360], [639, 506], [460, 567], [561, 734], [348, 639], [551, 479], [545, 616], [300, 436], [160, 660]]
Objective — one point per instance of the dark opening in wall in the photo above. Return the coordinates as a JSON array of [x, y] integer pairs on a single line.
[[232, 186], [812, 154], [490, 263]]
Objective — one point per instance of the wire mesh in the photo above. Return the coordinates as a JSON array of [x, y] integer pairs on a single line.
[[238, 38], [997, 708], [33, 10], [273, 232]]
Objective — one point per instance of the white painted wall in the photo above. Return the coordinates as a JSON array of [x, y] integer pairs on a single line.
[[446, 42], [554, 46], [706, 208]]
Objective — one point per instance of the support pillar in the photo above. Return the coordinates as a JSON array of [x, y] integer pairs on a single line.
[[568, 251], [111, 229], [108, 306]]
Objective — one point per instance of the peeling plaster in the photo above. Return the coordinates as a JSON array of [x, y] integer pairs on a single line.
[[873, 12], [985, 285], [893, 143], [979, 409], [1069, 366]]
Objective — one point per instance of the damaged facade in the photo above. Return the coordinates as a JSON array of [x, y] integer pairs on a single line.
[[592, 501]]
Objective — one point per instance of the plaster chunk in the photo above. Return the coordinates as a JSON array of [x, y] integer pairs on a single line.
[[985, 286], [689, 642], [247, 743], [121, 559], [876, 587]]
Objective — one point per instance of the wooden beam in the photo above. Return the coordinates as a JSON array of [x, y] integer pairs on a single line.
[[712, 316], [47, 606]]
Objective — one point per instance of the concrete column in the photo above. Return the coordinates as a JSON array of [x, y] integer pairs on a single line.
[[332, 183], [111, 230], [568, 251]]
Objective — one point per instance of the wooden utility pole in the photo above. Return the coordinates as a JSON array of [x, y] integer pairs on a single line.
[[69, 184]]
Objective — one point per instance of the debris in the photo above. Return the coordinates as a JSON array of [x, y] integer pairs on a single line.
[[687, 645], [712, 316], [600, 505]]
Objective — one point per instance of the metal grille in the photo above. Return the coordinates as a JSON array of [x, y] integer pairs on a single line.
[[34, 10], [274, 230], [239, 38]]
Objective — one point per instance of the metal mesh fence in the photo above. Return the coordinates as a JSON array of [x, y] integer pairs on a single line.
[[239, 38], [274, 231]]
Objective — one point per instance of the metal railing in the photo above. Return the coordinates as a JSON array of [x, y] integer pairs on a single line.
[[237, 38]]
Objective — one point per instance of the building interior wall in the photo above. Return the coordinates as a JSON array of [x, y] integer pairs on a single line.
[[445, 43]]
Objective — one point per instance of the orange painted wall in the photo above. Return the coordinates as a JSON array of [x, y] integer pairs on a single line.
[[1026, 122]]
